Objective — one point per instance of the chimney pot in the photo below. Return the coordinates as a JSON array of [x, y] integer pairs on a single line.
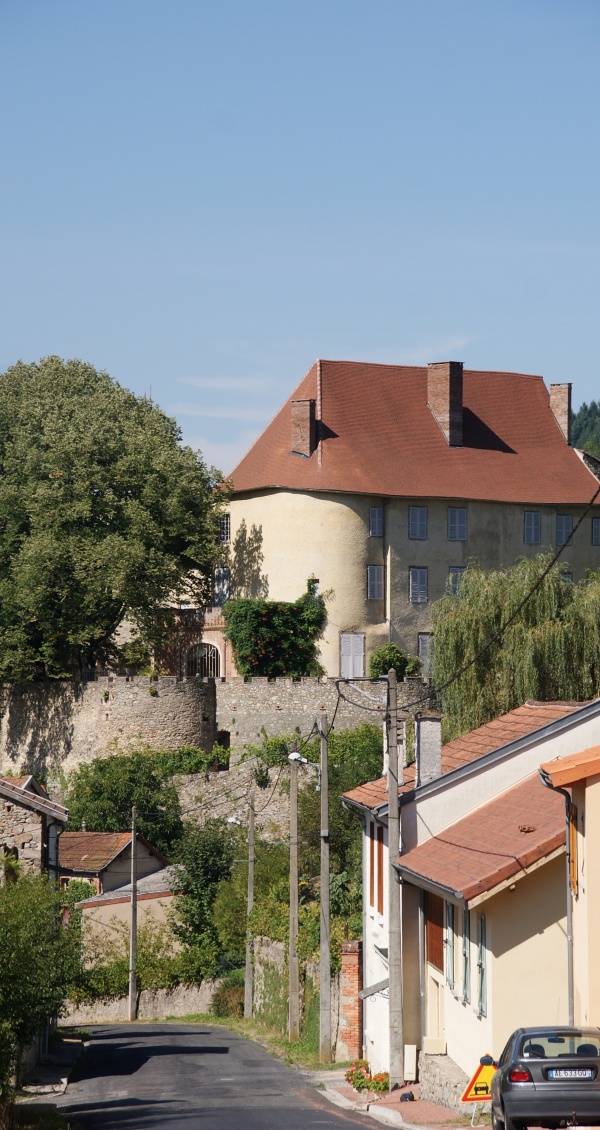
[[560, 405], [429, 748], [303, 427], [445, 398]]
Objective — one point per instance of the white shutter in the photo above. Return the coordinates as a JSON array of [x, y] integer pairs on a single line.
[[417, 587], [353, 655], [564, 529], [417, 522], [457, 523], [374, 582], [532, 527], [376, 521]]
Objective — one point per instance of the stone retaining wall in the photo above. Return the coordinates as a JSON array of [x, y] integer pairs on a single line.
[[442, 1081], [154, 1004]]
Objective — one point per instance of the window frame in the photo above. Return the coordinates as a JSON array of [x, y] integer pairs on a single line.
[[221, 580], [376, 521], [561, 541], [418, 587], [450, 914], [481, 965], [224, 535], [418, 520], [466, 956], [427, 651], [454, 573], [375, 582], [455, 522], [537, 515]]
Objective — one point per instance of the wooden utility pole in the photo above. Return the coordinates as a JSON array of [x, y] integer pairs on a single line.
[[395, 777], [133, 919], [294, 972], [325, 941], [248, 983]]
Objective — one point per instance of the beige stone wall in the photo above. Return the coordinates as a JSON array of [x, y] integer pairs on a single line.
[[22, 830], [294, 535], [153, 1004], [48, 728]]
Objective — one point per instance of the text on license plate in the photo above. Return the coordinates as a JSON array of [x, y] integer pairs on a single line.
[[570, 1073]]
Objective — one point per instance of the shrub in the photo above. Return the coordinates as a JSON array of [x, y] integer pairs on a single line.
[[358, 1076], [276, 637], [228, 997], [390, 655]]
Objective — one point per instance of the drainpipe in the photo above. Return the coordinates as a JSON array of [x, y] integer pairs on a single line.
[[547, 781]]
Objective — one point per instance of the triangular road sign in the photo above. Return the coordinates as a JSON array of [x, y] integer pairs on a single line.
[[479, 1090]]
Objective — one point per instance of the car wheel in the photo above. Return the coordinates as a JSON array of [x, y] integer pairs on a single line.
[[497, 1123], [510, 1124]]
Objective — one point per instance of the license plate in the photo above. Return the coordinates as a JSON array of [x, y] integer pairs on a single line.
[[570, 1073]]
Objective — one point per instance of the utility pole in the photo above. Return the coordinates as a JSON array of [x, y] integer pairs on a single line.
[[325, 946], [395, 777], [133, 919], [248, 983], [293, 969]]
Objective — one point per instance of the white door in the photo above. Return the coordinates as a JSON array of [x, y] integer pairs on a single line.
[[352, 650]]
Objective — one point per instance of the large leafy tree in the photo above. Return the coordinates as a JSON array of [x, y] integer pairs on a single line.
[[104, 791], [103, 515], [550, 651]]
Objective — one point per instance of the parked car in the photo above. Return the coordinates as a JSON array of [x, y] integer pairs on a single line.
[[547, 1077]]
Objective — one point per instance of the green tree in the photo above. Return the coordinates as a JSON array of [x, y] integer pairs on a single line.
[[104, 791], [39, 958], [390, 655], [206, 854], [103, 515], [277, 637], [585, 428], [551, 651]]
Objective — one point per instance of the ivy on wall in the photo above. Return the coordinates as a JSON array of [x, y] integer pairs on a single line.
[[277, 637]]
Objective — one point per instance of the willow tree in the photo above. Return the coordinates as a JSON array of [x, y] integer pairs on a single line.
[[549, 651]]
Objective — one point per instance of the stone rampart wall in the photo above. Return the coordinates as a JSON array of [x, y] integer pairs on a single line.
[[49, 728], [441, 1081], [22, 829], [153, 1004]]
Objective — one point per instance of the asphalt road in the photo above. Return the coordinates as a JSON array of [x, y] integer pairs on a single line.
[[168, 1076]]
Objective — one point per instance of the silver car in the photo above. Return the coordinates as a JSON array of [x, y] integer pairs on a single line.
[[547, 1077]]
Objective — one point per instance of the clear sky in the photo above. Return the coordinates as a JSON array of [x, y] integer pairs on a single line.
[[203, 196]]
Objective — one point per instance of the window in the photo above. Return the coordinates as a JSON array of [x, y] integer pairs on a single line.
[[224, 529], [222, 579], [532, 527], [595, 531], [564, 529], [376, 521], [417, 522], [466, 955], [434, 930], [375, 582], [450, 945], [424, 645], [371, 864], [457, 523], [203, 659], [352, 655], [481, 963], [417, 585], [567, 575], [455, 573], [380, 870]]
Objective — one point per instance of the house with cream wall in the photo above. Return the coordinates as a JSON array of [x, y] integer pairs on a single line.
[[481, 862], [384, 481]]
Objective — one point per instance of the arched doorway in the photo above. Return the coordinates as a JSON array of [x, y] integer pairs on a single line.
[[203, 659]]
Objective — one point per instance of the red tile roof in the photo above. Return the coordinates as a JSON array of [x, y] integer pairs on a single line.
[[508, 728], [574, 767], [90, 851], [493, 844], [382, 439], [11, 790]]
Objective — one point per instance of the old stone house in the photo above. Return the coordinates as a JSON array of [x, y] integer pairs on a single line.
[[104, 858], [384, 481], [30, 825]]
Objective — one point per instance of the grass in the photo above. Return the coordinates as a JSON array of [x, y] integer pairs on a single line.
[[302, 1054]]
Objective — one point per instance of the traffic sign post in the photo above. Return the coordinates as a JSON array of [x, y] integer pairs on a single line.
[[479, 1088]]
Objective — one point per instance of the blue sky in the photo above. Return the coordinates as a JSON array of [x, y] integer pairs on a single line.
[[203, 197]]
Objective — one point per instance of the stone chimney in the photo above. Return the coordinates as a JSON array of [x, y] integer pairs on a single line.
[[303, 427], [429, 747], [560, 405], [445, 398]]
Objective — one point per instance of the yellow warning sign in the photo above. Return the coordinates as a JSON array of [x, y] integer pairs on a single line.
[[479, 1090]]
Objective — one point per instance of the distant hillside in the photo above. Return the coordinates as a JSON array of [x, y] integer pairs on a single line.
[[585, 428]]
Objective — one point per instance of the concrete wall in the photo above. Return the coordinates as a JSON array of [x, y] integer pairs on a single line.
[[293, 535], [49, 728]]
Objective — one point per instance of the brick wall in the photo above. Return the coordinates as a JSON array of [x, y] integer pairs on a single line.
[[350, 1034]]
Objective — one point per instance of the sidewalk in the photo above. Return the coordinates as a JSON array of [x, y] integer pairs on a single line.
[[389, 1109], [50, 1076]]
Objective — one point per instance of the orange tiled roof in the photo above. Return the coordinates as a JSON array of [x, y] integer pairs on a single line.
[[508, 728], [574, 767], [16, 792], [381, 438], [90, 851], [492, 844]]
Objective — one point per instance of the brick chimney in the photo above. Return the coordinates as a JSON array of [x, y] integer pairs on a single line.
[[445, 398], [560, 405], [429, 747], [303, 427]]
